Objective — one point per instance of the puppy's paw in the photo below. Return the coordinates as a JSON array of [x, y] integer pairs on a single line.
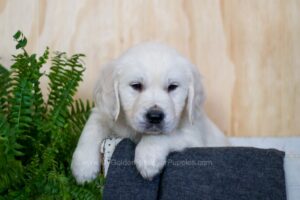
[[85, 166], [149, 160]]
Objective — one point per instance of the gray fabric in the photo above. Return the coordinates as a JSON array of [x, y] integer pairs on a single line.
[[200, 173]]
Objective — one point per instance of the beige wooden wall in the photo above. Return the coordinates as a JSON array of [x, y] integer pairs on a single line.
[[247, 50]]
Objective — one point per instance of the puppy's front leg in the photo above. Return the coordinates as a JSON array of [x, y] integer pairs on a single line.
[[152, 151], [151, 154], [86, 160]]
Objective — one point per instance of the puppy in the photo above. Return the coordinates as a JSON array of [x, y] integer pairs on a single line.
[[152, 95]]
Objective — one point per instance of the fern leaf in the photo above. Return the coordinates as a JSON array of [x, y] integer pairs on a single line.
[[11, 169], [78, 115], [4, 86], [65, 75]]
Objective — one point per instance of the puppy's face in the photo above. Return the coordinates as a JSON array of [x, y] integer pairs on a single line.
[[153, 87]]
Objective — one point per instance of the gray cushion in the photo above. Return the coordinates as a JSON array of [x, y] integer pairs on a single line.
[[200, 173]]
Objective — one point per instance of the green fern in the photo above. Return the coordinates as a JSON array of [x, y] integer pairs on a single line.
[[65, 75], [4, 80], [37, 138]]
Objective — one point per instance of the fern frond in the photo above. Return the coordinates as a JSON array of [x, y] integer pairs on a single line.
[[4, 86], [83, 193], [11, 169], [78, 115], [25, 101], [26, 97], [92, 190], [65, 75], [38, 101]]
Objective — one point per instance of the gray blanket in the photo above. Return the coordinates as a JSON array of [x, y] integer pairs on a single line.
[[235, 173]]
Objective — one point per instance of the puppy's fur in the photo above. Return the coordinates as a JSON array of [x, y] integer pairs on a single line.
[[147, 77]]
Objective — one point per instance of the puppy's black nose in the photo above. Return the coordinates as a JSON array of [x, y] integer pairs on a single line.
[[155, 116]]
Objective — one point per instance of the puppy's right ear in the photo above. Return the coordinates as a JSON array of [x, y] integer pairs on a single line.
[[106, 93]]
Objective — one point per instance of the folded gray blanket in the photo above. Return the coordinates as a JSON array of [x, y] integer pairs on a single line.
[[223, 173]]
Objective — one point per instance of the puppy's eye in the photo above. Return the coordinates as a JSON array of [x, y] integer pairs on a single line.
[[172, 87], [137, 86]]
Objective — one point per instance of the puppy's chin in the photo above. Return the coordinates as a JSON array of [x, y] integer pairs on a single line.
[[152, 133], [153, 130], [149, 129]]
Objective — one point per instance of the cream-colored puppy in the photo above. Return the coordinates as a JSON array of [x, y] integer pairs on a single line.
[[154, 96]]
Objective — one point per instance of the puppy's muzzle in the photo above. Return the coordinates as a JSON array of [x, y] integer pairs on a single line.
[[155, 116]]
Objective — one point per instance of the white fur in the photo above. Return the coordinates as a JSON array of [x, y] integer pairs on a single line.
[[120, 110]]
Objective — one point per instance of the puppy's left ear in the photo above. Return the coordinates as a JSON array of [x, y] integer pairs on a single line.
[[106, 93], [196, 94]]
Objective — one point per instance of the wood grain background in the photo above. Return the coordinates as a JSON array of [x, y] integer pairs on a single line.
[[247, 50]]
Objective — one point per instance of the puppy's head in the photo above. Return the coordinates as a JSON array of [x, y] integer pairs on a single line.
[[153, 85]]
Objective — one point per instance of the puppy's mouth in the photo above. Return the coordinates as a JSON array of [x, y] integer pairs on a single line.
[[151, 129]]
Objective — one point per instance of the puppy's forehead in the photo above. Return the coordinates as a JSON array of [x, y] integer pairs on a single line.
[[153, 58]]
